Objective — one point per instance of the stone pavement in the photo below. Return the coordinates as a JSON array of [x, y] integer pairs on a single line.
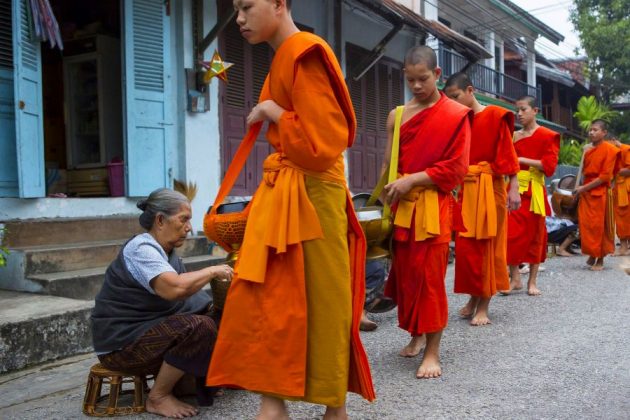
[[564, 355]]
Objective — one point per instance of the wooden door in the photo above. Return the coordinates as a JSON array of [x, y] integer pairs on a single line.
[[373, 97]]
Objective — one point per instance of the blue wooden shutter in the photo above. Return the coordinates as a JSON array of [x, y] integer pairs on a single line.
[[148, 97], [21, 112], [8, 156]]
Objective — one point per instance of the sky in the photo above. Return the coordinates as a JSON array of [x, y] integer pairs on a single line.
[[555, 14]]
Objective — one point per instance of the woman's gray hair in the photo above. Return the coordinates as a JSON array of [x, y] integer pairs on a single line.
[[161, 201]]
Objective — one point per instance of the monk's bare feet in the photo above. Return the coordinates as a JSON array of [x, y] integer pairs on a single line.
[[272, 408], [481, 315], [563, 253], [468, 310], [429, 368], [590, 261], [598, 266], [414, 347], [514, 285], [336, 413], [169, 406], [533, 291]]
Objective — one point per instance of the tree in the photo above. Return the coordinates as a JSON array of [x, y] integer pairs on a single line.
[[604, 30], [588, 110]]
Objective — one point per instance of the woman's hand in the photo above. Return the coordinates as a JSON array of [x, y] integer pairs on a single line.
[[266, 110], [222, 272]]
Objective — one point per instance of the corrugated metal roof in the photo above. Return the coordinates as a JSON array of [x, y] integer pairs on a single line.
[[394, 11]]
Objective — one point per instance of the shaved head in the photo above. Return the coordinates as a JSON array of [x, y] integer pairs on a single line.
[[460, 80], [531, 101], [421, 55], [602, 124]]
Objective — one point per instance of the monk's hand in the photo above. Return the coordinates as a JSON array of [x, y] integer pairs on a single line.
[[267, 110], [397, 189], [223, 272], [513, 200]]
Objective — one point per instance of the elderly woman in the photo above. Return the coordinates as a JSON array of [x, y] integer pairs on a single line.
[[151, 316]]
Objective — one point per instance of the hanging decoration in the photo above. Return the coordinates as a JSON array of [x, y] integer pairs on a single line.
[[215, 67], [44, 23]]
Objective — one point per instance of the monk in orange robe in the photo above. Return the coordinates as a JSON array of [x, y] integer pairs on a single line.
[[433, 159], [290, 326], [480, 263], [621, 194], [595, 213], [537, 150]]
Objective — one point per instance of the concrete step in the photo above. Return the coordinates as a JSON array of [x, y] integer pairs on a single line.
[[78, 256], [85, 283], [35, 329], [38, 232]]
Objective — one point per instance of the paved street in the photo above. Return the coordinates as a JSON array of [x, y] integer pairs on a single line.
[[563, 355]]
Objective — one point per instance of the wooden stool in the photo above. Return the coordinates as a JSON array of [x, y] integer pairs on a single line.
[[93, 402]]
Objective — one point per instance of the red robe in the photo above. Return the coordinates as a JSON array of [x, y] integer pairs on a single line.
[[480, 263], [599, 163], [435, 140], [622, 186], [527, 233]]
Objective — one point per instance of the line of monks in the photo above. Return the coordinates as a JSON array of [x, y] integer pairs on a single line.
[[290, 326]]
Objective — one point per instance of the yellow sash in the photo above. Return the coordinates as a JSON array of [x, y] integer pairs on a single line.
[[424, 200], [623, 186], [478, 206], [537, 180]]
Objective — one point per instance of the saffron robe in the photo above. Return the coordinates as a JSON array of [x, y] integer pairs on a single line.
[[480, 262], [599, 163], [290, 326], [621, 194], [527, 233], [435, 140]]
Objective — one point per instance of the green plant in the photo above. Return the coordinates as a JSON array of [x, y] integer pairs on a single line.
[[588, 109], [4, 251], [570, 152]]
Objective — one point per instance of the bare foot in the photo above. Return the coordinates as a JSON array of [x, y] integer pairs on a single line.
[[169, 406], [597, 267], [414, 347], [533, 291], [334, 413], [513, 286], [429, 368], [590, 261], [469, 309], [563, 253]]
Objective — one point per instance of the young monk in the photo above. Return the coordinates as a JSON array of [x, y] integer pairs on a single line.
[[290, 327], [621, 194], [537, 150], [595, 218], [480, 266], [434, 148]]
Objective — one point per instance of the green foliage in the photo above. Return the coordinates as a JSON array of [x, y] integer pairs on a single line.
[[604, 30], [588, 109], [570, 152], [3, 250]]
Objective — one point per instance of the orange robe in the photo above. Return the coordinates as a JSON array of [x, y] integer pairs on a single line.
[[435, 140], [480, 261], [302, 240], [527, 233], [599, 163], [622, 190]]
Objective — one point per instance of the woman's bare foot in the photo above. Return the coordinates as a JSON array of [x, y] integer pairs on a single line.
[[468, 310], [429, 368], [414, 347], [336, 413], [563, 253], [169, 406]]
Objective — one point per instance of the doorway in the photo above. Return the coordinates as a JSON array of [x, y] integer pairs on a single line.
[[82, 101]]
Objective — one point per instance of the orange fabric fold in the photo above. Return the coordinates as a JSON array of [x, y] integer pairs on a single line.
[[423, 201], [478, 205], [622, 184]]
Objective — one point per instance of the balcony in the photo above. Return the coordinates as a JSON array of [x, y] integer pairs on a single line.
[[486, 79]]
